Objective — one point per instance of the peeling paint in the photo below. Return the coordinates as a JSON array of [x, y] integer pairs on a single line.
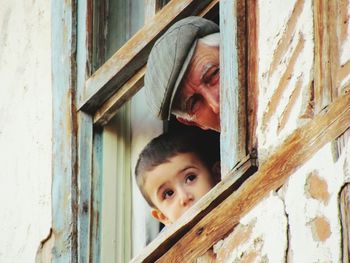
[[43, 254], [240, 235]]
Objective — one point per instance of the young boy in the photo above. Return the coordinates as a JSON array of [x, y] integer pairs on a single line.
[[174, 171]]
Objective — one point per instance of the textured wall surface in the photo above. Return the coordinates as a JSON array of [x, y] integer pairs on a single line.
[[301, 221], [25, 128]]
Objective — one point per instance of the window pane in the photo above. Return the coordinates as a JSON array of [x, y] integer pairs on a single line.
[[115, 21]]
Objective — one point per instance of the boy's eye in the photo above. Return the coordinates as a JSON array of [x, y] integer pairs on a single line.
[[191, 178], [167, 194]]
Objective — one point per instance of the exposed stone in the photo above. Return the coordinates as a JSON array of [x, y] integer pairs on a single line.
[[250, 257], [240, 234], [320, 229], [317, 188]]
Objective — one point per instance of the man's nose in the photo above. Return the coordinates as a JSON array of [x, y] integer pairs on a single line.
[[212, 100]]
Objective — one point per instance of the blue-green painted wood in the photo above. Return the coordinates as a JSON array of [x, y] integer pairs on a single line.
[[231, 107], [84, 185], [96, 195], [64, 140], [85, 130], [83, 38]]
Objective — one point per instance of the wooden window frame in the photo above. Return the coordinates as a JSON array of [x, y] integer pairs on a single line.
[[80, 107]]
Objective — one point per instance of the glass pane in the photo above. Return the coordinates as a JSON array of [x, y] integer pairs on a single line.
[[114, 22]]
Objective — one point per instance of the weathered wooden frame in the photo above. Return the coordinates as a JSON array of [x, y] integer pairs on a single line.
[[133, 55], [230, 200], [64, 144], [77, 147], [76, 140]]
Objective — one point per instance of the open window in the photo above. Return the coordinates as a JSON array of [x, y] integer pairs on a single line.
[[111, 64], [114, 39], [97, 69], [92, 87]]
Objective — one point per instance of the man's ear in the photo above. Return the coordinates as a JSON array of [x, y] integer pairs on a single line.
[[216, 171], [186, 122], [158, 215]]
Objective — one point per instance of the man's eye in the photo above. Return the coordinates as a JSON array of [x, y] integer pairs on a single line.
[[211, 74], [167, 194], [193, 104], [190, 178]]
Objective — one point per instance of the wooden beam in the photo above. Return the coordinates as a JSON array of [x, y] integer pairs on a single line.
[[106, 112], [185, 241], [84, 131], [110, 107], [344, 203], [232, 83], [252, 77], [231, 183], [64, 176], [133, 55], [326, 62]]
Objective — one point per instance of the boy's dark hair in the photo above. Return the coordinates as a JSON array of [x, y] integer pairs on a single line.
[[160, 149]]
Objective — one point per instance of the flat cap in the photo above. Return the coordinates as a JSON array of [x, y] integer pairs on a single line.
[[169, 59]]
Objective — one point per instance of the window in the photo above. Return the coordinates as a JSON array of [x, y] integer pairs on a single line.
[[108, 73], [90, 91]]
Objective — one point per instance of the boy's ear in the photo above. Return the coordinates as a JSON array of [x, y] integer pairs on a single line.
[[216, 170], [157, 214]]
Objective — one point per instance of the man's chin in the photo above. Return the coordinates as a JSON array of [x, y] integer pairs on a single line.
[[216, 128]]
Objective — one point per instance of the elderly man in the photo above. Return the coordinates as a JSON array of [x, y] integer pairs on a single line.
[[183, 75]]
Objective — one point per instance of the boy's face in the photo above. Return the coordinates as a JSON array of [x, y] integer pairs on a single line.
[[176, 185]]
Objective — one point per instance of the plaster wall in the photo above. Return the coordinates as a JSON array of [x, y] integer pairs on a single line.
[[300, 222], [25, 128]]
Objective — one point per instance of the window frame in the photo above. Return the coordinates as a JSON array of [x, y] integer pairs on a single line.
[[78, 147], [77, 144]]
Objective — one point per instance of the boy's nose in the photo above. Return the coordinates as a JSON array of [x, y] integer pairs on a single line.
[[185, 197]]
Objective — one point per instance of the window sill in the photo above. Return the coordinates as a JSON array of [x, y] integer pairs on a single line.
[[221, 209]]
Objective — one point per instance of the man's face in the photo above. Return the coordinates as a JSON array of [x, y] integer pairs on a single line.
[[176, 185], [198, 99]]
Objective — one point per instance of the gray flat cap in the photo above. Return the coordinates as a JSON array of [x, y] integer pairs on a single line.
[[168, 61]]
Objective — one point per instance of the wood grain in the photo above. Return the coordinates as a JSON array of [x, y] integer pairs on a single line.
[[233, 112], [296, 150], [344, 202], [175, 232], [326, 53], [64, 177], [133, 54], [252, 77], [110, 107]]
